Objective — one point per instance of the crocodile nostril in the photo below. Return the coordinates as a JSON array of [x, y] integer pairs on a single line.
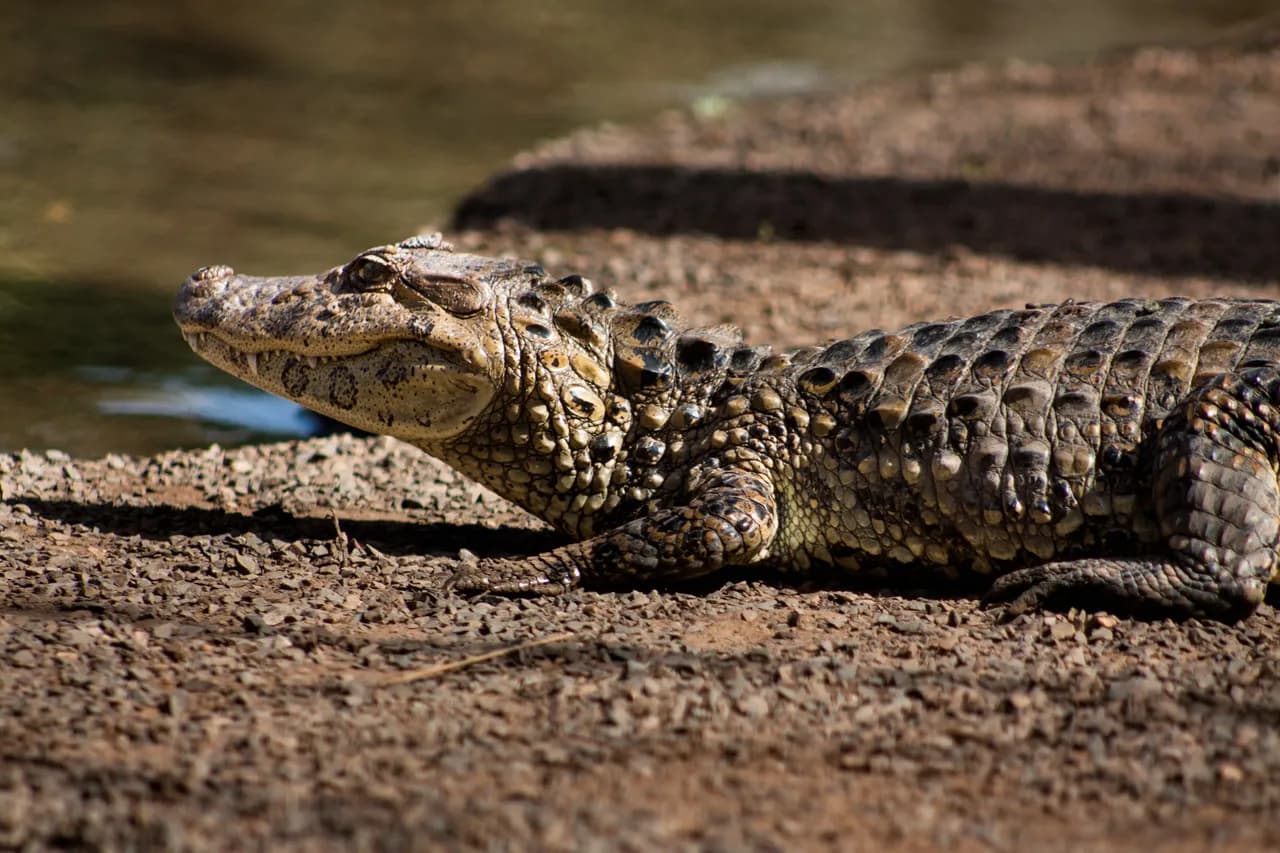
[[210, 273], [197, 289]]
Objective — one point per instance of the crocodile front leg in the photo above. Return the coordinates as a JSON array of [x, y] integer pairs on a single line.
[[730, 520]]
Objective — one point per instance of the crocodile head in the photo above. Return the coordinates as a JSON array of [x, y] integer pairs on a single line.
[[552, 394], [400, 341]]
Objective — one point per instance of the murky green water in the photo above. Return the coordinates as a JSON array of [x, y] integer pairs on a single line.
[[141, 140]]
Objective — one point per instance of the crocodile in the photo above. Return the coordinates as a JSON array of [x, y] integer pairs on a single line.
[[1120, 454]]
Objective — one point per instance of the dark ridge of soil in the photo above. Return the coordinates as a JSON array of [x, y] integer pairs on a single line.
[[206, 650]]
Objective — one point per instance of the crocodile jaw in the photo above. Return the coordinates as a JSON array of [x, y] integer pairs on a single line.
[[359, 358]]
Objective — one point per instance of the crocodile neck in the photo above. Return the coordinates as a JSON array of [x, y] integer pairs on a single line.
[[571, 444]]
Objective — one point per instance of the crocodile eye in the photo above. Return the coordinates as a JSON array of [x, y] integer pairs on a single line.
[[370, 274], [460, 296]]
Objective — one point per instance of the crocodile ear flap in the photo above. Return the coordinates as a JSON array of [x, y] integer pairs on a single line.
[[460, 296]]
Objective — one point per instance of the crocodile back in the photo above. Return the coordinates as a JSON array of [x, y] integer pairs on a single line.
[[1017, 433]]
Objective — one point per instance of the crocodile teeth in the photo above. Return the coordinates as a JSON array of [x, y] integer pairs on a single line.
[[312, 361], [251, 361], [190, 338]]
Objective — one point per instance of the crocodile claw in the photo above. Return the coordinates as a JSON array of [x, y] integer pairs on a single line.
[[508, 577], [1024, 590]]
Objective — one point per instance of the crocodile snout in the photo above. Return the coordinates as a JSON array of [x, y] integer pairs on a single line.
[[195, 292]]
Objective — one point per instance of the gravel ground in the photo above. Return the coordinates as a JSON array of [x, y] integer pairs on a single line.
[[249, 647]]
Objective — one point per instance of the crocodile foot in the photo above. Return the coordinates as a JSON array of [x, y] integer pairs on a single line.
[[1043, 587], [1152, 586]]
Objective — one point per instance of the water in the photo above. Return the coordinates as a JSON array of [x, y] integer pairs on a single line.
[[141, 140]]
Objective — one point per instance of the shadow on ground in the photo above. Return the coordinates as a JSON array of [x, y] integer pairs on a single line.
[[1159, 233], [400, 538]]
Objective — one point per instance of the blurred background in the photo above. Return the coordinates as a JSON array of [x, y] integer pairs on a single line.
[[141, 140]]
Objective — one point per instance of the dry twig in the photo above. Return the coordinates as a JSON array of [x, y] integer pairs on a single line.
[[412, 675]]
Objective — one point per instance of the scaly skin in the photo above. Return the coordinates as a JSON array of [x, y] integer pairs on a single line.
[[1120, 454]]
